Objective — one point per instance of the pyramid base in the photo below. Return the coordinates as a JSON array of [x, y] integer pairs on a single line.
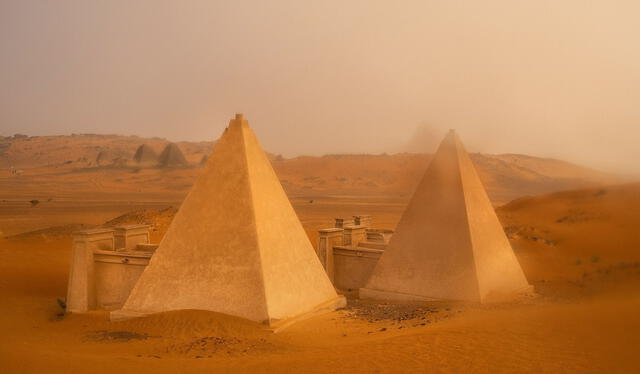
[[369, 293], [274, 325], [500, 297]]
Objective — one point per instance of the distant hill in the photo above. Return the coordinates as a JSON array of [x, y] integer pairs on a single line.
[[506, 177], [82, 150], [572, 233], [54, 161]]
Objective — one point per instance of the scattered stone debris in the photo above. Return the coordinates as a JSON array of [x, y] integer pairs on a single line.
[[578, 215], [115, 336], [412, 314], [209, 343], [529, 233], [600, 193], [381, 312], [143, 217], [206, 347]]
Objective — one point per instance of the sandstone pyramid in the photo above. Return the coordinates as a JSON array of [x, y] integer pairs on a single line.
[[235, 246], [104, 158], [172, 157], [110, 157], [145, 155], [449, 243]]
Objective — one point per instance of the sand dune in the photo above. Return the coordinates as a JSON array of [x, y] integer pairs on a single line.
[[579, 248], [578, 324], [573, 233], [583, 322]]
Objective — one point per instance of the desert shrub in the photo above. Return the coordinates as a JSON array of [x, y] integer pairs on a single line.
[[62, 303]]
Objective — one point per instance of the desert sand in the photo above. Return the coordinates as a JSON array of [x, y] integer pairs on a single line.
[[574, 235]]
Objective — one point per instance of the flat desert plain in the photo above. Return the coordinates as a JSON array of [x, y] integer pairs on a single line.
[[574, 233]]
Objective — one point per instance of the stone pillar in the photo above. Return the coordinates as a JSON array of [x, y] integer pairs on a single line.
[[363, 220], [115, 274], [127, 237], [342, 222], [329, 238], [354, 235], [81, 287]]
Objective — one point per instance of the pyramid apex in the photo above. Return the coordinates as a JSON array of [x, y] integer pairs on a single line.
[[238, 120], [451, 139]]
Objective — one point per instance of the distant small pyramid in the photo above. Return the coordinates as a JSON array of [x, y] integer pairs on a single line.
[[449, 243], [145, 154], [235, 246], [204, 159], [100, 157], [103, 158], [110, 157], [172, 157]]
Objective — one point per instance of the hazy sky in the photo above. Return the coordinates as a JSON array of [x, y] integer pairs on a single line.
[[554, 78]]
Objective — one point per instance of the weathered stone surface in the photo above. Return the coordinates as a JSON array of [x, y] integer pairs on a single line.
[[81, 295], [172, 157], [127, 237], [235, 246], [449, 243], [145, 155], [105, 266]]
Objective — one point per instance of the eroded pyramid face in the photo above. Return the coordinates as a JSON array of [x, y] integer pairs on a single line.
[[172, 156], [236, 245], [449, 243], [145, 154]]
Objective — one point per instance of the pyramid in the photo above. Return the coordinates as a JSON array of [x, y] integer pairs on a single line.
[[204, 159], [235, 246], [145, 154], [449, 243], [103, 158], [172, 157], [110, 157]]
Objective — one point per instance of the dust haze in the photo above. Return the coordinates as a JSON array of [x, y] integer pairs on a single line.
[[322, 233], [547, 78]]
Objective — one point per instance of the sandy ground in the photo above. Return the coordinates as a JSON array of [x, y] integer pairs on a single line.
[[579, 249]]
